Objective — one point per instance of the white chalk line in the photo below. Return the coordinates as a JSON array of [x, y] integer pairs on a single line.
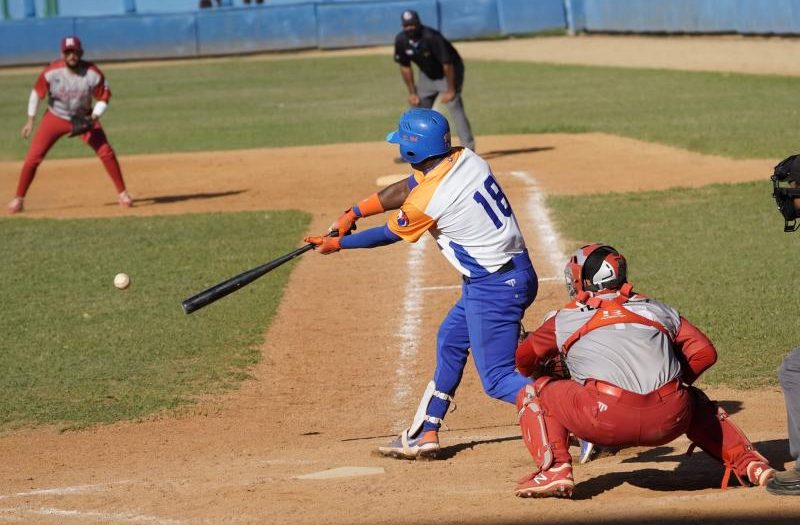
[[411, 325], [549, 240], [59, 491], [83, 514]]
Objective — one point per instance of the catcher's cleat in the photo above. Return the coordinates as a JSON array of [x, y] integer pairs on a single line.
[[424, 446], [125, 199], [785, 483], [759, 473], [15, 206], [555, 482]]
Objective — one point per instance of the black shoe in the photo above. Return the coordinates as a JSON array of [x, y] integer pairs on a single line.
[[785, 483]]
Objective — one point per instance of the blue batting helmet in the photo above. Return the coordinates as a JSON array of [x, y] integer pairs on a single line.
[[421, 134]]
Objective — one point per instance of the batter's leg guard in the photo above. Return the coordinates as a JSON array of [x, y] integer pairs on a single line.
[[413, 443], [713, 431]]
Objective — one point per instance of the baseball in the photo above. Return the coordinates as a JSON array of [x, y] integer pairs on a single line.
[[122, 281]]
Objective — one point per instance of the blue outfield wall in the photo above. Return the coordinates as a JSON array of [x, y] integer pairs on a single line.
[[761, 17], [276, 25]]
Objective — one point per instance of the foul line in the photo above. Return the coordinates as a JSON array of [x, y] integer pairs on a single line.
[[547, 233], [77, 489], [411, 325], [127, 516]]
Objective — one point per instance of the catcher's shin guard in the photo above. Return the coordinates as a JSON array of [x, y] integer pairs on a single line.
[[713, 431], [532, 424]]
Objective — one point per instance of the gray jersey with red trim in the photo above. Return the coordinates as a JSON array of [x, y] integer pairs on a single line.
[[71, 92], [633, 356]]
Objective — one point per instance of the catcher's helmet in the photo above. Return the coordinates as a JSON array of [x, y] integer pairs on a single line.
[[595, 267], [421, 134], [785, 189]]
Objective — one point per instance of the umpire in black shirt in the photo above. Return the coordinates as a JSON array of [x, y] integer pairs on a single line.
[[441, 71]]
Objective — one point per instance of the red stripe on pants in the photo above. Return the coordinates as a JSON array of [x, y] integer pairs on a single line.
[[53, 128]]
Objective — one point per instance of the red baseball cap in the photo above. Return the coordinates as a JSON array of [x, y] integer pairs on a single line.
[[71, 43]]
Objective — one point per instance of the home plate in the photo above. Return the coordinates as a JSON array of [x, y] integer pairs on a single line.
[[343, 472], [390, 179]]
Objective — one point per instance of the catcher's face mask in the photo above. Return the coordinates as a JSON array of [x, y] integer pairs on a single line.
[[785, 189], [595, 267]]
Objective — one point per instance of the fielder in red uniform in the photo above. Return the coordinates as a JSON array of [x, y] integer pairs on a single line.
[[70, 85], [631, 361]]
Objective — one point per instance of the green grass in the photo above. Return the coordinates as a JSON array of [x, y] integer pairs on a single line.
[[77, 351], [242, 103], [718, 254]]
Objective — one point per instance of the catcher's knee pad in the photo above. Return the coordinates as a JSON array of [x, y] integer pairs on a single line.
[[532, 424], [422, 411], [713, 431]]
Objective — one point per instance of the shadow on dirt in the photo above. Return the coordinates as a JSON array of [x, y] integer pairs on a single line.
[[168, 199], [506, 152], [453, 450], [696, 472], [788, 518]]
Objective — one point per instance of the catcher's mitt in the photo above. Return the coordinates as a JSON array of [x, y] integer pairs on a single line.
[[80, 125]]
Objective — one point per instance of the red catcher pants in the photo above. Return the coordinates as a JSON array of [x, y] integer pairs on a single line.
[[607, 420], [53, 128], [609, 416]]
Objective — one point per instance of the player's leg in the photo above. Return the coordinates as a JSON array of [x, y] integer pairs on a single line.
[[495, 306], [452, 349], [787, 483], [49, 131], [97, 140], [427, 90], [461, 122], [713, 431]]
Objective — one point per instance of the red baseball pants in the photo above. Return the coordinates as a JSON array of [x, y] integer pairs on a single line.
[[53, 128]]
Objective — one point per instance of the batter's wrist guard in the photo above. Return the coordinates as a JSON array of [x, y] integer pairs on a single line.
[[369, 206]]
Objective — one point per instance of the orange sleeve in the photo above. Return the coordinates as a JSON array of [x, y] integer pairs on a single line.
[[696, 351], [369, 206], [409, 223]]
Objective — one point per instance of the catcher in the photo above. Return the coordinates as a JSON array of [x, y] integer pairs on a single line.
[[632, 361], [70, 84]]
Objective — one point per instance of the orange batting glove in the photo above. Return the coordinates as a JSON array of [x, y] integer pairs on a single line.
[[345, 224], [324, 245]]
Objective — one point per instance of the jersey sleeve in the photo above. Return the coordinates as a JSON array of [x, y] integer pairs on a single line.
[[409, 223], [537, 348], [399, 53], [696, 351], [101, 91], [42, 86], [440, 50]]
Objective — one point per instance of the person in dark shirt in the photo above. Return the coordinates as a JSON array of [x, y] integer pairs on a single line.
[[441, 71]]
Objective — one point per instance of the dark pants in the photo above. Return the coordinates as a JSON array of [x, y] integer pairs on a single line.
[[789, 376]]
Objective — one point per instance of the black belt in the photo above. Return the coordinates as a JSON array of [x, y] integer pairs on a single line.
[[507, 267]]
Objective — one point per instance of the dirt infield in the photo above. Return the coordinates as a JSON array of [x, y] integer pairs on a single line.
[[324, 398]]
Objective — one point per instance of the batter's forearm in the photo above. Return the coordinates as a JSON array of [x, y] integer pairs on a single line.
[[394, 195], [372, 238]]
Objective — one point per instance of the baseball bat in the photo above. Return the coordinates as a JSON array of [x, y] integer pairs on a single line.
[[218, 291]]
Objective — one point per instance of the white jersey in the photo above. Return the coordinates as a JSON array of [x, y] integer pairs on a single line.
[[463, 206], [71, 92]]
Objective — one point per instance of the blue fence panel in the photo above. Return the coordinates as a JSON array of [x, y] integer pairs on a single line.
[[472, 19], [90, 7], [249, 30], [529, 16], [768, 16], [167, 6], [19, 9], [354, 24], [33, 41], [136, 37]]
